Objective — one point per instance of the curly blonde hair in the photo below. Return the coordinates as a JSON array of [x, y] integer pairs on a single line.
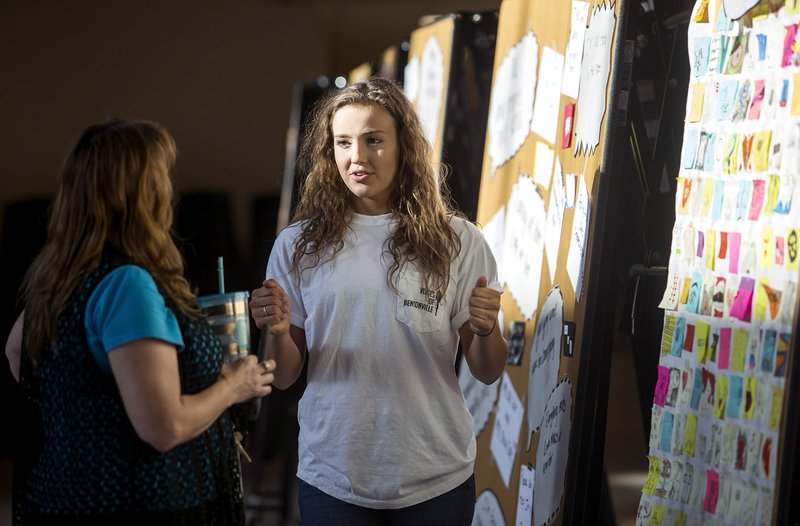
[[420, 205], [114, 190]]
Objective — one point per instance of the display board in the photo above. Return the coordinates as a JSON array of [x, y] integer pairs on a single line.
[[542, 197], [427, 76], [718, 426]]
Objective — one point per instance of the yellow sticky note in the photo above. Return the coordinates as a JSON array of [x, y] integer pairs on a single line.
[[739, 349], [720, 396], [680, 518], [777, 406], [652, 475], [708, 197], [696, 105], [711, 243], [689, 434], [792, 249], [657, 516], [792, 8], [667, 334], [761, 299], [701, 330], [773, 191], [730, 155], [687, 282], [760, 155], [750, 393], [701, 15], [795, 108], [767, 247]]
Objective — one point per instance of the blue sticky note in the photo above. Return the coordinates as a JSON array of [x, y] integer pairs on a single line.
[[699, 63], [723, 23], [695, 288], [735, 390], [743, 199], [762, 46], [665, 443], [768, 345], [690, 148], [784, 93], [697, 389], [726, 99], [719, 194], [708, 158], [677, 336]]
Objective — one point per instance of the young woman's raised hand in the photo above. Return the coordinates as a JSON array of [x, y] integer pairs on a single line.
[[484, 304], [270, 306]]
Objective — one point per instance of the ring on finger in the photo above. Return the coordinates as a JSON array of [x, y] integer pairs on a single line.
[[264, 365], [265, 311]]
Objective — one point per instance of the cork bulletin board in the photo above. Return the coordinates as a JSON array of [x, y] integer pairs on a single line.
[[427, 77], [545, 155]]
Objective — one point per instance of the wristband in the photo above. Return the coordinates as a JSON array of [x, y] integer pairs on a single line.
[[490, 330]]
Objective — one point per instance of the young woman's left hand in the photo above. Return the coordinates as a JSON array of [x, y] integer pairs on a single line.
[[484, 304]]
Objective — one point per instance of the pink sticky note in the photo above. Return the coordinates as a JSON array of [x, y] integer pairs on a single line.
[[734, 242], [724, 356], [757, 201], [743, 301], [701, 243], [712, 491], [566, 136], [758, 98], [662, 384]]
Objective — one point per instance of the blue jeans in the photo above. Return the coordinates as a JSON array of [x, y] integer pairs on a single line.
[[454, 508]]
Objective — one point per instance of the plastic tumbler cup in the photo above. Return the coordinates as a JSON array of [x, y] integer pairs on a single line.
[[229, 316]]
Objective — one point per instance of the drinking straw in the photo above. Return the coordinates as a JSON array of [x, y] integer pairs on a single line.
[[220, 275]]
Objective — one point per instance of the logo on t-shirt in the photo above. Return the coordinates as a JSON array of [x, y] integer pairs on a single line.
[[428, 301]]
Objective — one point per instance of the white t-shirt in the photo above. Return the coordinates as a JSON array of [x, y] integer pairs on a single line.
[[383, 422]]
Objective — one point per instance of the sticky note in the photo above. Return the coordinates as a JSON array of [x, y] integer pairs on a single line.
[[712, 491], [701, 331], [710, 259], [723, 359], [678, 336], [665, 444], [735, 392], [750, 393], [650, 485], [775, 408], [743, 301], [760, 153], [662, 384], [697, 389], [696, 103], [719, 194], [734, 243], [726, 99], [740, 337], [689, 434], [757, 199], [720, 396], [755, 102]]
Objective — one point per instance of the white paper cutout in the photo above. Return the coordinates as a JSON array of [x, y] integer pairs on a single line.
[[735, 9], [569, 189], [507, 424], [480, 397], [488, 511], [431, 88], [547, 103], [572, 60], [494, 231], [577, 241], [545, 359], [523, 246], [595, 69], [525, 496], [511, 104], [411, 79], [543, 165], [554, 220], [552, 454]]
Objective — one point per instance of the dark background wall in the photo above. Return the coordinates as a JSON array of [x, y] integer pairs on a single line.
[[217, 74]]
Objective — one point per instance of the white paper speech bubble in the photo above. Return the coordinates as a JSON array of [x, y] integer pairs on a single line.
[[545, 359], [552, 454], [488, 511]]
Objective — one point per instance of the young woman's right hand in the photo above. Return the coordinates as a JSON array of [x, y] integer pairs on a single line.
[[270, 306]]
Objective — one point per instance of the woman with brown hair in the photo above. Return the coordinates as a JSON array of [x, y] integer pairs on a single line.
[[375, 283], [125, 374]]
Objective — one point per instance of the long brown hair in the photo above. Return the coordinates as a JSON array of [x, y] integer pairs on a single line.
[[114, 190], [420, 204]]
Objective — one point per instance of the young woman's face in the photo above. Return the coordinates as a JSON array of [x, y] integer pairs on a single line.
[[367, 154]]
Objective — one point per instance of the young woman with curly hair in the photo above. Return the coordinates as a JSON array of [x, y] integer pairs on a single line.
[[125, 377], [376, 281]]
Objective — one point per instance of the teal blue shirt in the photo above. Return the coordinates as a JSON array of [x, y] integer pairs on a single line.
[[126, 306]]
